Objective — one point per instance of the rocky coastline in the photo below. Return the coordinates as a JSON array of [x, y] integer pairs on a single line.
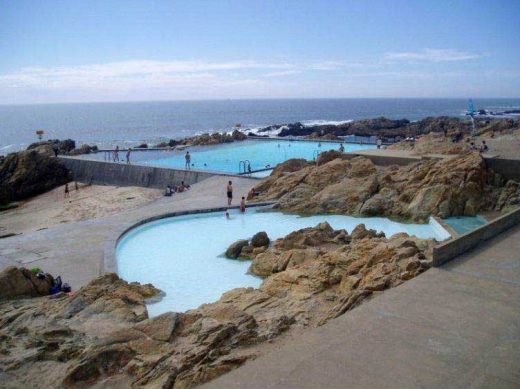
[[101, 335], [391, 128]]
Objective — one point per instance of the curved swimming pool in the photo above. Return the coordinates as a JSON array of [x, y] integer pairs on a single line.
[[183, 255]]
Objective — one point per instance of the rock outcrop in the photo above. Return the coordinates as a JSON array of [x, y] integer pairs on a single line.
[[20, 282], [461, 185], [63, 146], [102, 336], [29, 173]]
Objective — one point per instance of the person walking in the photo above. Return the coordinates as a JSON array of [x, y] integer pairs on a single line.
[[66, 190], [229, 192], [116, 154], [187, 157], [128, 155]]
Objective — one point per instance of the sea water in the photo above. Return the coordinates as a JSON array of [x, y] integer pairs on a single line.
[[183, 256], [129, 124]]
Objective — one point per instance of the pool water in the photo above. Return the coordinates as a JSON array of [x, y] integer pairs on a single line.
[[226, 158], [464, 224], [183, 256]]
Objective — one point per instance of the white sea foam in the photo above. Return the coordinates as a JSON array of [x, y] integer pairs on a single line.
[[310, 123]]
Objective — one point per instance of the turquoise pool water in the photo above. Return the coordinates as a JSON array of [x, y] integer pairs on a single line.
[[464, 224], [226, 158], [183, 255]]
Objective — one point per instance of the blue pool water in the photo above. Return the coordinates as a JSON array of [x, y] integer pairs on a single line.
[[183, 255], [226, 157], [464, 224]]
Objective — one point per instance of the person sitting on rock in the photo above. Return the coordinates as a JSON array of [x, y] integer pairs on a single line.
[[168, 191]]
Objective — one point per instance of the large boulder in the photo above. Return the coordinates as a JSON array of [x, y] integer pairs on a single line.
[[233, 251], [19, 282], [260, 239], [29, 173]]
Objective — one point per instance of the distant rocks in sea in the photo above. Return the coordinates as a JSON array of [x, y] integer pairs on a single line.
[[386, 128]]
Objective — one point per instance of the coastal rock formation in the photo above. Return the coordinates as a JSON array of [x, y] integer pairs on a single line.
[[461, 185], [28, 173], [102, 335]]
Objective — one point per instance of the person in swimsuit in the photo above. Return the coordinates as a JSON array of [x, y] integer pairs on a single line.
[[66, 190], [243, 205], [187, 157], [229, 192]]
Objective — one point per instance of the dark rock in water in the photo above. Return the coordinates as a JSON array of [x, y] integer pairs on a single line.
[[18, 282], [234, 250], [142, 146], [260, 239], [28, 173], [238, 135]]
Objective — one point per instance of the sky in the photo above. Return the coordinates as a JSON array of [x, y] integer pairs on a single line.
[[87, 51]]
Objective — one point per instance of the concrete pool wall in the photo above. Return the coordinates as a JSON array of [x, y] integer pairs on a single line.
[[121, 174], [445, 252]]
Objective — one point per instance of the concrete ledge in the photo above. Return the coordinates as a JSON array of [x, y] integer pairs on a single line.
[[447, 251], [109, 264], [121, 174], [507, 168]]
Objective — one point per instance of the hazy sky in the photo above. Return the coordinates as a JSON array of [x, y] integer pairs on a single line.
[[76, 51]]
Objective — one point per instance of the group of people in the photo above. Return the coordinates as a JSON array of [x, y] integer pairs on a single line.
[[67, 190], [482, 148], [116, 154], [182, 187], [229, 192]]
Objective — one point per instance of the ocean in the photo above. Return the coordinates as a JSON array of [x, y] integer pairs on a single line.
[[129, 124]]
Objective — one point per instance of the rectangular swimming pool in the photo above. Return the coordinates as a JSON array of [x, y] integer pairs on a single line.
[[226, 158]]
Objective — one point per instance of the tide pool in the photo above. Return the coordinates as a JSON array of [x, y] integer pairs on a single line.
[[183, 255]]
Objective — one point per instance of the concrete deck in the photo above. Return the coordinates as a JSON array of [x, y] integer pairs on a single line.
[[76, 250], [457, 326]]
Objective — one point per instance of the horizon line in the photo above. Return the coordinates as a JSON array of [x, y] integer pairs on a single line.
[[258, 98]]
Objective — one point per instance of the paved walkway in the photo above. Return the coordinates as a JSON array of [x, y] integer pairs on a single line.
[[457, 326], [76, 250]]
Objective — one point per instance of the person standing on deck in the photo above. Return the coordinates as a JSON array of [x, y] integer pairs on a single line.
[[187, 157], [229, 192], [116, 154], [128, 155]]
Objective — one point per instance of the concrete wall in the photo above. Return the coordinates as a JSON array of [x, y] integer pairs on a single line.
[[121, 174], [508, 168], [451, 249]]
